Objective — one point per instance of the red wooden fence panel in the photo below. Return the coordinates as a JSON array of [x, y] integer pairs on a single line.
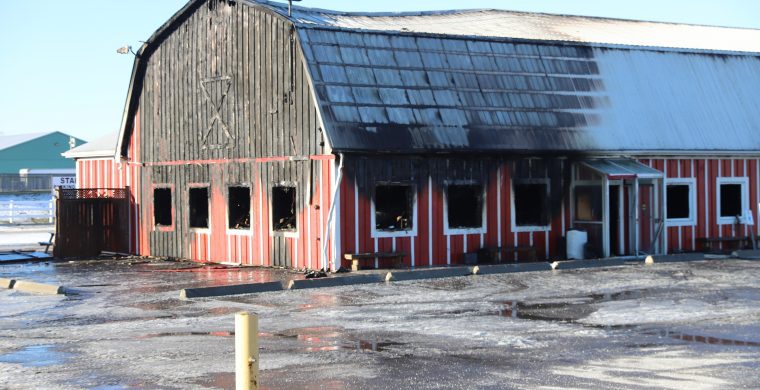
[[91, 220]]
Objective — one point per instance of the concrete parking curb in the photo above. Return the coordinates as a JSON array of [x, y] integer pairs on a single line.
[[238, 289], [39, 288], [7, 283], [747, 254], [512, 268], [428, 274], [579, 264], [335, 281], [421, 274], [678, 257]]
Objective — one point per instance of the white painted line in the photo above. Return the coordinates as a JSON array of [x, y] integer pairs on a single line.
[[448, 250], [430, 220], [356, 217], [498, 204]]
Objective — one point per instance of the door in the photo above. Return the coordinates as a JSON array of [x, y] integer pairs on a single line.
[[646, 217], [615, 219]]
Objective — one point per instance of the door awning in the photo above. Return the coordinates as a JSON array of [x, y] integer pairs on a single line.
[[620, 169]]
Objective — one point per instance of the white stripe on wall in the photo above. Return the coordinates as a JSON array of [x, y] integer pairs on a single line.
[[498, 204], [430, 220]]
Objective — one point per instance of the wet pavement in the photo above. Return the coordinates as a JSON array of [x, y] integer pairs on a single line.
[[676, 325]]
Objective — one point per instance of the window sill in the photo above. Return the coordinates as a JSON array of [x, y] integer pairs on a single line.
[[464, 231], [240, 232], [526, 229], [730, 220], [284, 233], [394, 233], [680, 222]]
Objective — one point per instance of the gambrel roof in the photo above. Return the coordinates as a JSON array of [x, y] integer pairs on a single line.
[[501, 81]]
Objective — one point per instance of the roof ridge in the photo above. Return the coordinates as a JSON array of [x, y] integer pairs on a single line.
[[278, 6]]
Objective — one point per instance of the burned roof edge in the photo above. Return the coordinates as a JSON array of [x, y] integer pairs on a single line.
[[598, 45]]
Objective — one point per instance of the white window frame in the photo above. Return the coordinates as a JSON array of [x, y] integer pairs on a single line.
[[537, 228], [483, 221], [282, 233], [692, 219], [394, 233], [744, 182]]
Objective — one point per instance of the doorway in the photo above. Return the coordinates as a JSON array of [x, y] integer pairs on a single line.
[[615, 219]]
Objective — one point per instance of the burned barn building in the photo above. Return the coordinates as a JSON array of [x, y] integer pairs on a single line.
[[258, 135]]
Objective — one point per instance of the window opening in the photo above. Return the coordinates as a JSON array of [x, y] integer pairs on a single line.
[[283, 208], [162, 206], [678, 201], [531, 202], [393, 207], [239, 207], [588, 203], [730, 200], [464, 206], [199, 207]]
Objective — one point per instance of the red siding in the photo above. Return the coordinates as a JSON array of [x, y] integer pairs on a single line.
[[430, 246], [450, 248]]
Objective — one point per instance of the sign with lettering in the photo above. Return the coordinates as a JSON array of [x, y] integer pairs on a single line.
[[65, 182]]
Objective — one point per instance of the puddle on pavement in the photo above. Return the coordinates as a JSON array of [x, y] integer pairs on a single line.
[[570, 310], [567, 309], [160, 305], [448, 284], [36, 356], [329, 338], [699, 338], [218, 380], [222, 333]]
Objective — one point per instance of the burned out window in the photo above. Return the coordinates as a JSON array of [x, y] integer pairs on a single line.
[[393, 207], [239, 207], [162, 206], [199, 207], [284, 208], [464, 206], [531, 206], [680, 201]]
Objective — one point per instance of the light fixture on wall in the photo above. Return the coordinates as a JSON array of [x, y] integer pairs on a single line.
[[126, 50]]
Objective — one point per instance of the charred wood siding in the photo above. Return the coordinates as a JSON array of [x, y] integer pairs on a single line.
[[431, 244], [219, 88], [226, 101]]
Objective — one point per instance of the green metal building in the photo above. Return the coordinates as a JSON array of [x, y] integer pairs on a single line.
[[37, 151]]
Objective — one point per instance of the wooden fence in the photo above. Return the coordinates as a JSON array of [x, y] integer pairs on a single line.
[[90, 221]]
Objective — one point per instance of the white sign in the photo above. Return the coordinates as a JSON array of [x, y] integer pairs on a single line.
[[65, 182], [748, 220]]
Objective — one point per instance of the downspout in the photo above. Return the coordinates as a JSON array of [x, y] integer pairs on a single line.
[[330, 225]]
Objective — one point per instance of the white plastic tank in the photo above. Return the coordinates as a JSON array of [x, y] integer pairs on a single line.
[[576, 242]]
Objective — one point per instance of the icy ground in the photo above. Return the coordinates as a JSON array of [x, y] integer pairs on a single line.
[[675, 326]]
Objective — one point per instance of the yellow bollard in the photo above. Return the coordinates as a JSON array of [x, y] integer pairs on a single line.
[[246, 351]]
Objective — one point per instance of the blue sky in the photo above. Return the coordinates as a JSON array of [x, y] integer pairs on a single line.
[[59, 69]]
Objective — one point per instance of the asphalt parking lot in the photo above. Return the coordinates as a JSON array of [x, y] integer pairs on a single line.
[[672, 325]]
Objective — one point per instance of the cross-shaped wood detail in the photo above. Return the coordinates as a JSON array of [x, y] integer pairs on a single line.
[[217, 112]]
